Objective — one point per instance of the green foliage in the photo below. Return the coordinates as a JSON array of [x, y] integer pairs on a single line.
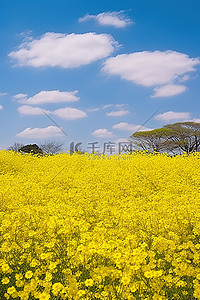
[[174, 138]]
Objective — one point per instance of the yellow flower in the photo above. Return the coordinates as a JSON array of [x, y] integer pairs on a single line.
[[44, 255], [34, 263], [81, 293], [52, 265], [44, 296], [5, 268], [11, 290], [48, 276], [5, 280], [56, 288], [28, 274], [89, 282], [125, 280]]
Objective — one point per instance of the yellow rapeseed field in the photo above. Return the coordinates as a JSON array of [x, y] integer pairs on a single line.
[[96, 227]]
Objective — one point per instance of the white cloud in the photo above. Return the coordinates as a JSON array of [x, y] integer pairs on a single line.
[[103, 133], [93, 109], [51, 97], [129, 127], [118, 113], [20, 96], [30, 110], [67, 113], [39, 133], [173, 116], [151, 68], [1, 107], [105, 107], [116, 19], [62, 50], [3, 94], [70, 113], [169, 90]]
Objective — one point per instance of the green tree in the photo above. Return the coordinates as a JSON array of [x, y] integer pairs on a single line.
[[152, 140], [172, 138], [31, 148]]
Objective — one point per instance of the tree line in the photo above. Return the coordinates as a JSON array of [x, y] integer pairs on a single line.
[[48, 147], [176, 138]]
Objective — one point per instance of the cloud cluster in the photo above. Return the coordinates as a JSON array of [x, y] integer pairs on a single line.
[[3, 94], [30, 110], [118, 113], [116, 19], [173, 116], [67, 113], [130, 127], [70, 113], [160, 69], [44, 97], [63, 50], [1, 107], [103, 133], [36, 133], [169, 90]]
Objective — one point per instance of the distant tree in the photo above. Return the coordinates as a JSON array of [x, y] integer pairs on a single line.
[[184, 136], [15, 147], [152, 140], [31, 148], [172, 138], [51, 147]]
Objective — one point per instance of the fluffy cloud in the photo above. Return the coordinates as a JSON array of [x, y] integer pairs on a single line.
[[67, 113], [1, 107], [118, 113], [29, 110], [62, 50], [129, 127], [173, 116], [103, 133], [169, 90], [70, 113], [49, 97], [3, 94], [39, 133], [20, 96], [116, 19], [153, 69]]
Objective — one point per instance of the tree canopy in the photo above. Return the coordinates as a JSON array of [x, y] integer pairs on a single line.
[[173, 138]]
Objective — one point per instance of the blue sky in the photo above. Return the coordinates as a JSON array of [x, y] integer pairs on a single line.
[[99, 69]]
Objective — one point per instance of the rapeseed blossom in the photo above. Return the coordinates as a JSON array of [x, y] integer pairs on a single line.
[[119, 227]]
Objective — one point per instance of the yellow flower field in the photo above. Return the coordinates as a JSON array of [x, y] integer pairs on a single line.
[[96, 227]]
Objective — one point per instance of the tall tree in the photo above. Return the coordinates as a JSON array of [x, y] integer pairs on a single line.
[[152, 140], [185, 136], [172, 138]]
